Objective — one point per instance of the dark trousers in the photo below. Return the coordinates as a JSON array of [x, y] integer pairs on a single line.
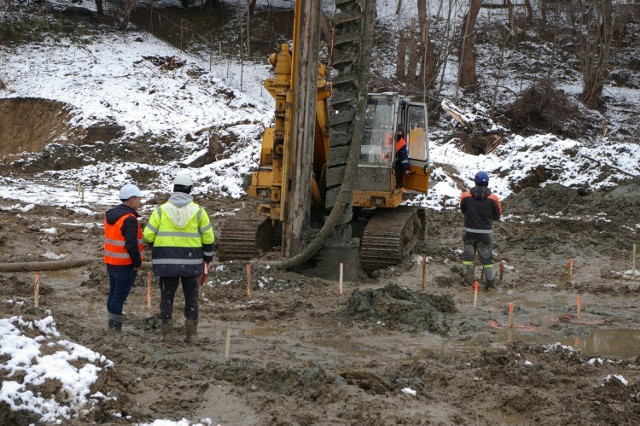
[[168, 287], [120, 283]]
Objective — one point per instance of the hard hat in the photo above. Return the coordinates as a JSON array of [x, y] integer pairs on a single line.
[[481, 178], [128, 191], [183, 179]]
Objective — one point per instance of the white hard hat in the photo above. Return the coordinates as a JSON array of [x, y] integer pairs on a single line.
[[128, 191], [183, 179]]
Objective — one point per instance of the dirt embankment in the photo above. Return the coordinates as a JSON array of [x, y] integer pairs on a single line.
[[28, 125]]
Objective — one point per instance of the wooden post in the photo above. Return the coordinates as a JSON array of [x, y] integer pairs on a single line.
[[510, 315], [501, 270], [424, 272], [340, 280], [579, 308], [475, 293], [148, 289], [249, 290], [227, 344], [36, 290], [633, 259], [570, 269]]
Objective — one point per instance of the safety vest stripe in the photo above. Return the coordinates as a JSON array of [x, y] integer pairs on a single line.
[[178, 234], [114, 242], [478, 231], [199, 214], [488, 265], [205, 229], [177, 261], [207, 253], [118, 255], [153, 228], [468, 262]]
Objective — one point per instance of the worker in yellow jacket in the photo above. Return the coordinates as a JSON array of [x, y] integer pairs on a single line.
[[181, 236]]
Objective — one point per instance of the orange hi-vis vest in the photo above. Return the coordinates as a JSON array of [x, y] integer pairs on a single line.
[[400, 144], [115, 253]]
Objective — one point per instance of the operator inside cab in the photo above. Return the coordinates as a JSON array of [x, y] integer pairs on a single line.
[[401, 164]]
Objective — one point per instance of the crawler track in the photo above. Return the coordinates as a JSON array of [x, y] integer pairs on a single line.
[[244, 237], [389, 236]]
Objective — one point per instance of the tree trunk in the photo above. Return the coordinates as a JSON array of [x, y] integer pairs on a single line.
[[99, 8], [467, 72], [402, 48], [414, 52], [128, 7], [596, 52], [251, 5], [429, 66]]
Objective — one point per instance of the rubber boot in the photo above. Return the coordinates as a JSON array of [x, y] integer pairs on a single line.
[[489, 277], [192, 331], [166, 327], [468, 273], [115, 322]]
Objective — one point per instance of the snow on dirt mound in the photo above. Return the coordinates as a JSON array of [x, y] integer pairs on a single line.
[[397, 308]]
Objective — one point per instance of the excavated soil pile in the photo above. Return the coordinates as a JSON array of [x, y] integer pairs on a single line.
[[401, 309]]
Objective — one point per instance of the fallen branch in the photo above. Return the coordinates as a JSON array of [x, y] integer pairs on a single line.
[[54, 265]]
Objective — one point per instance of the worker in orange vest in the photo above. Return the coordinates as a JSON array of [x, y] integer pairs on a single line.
[[480, 208], [122, 251], [401, 164]]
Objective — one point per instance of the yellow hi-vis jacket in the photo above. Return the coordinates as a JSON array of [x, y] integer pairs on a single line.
[[181, 235]]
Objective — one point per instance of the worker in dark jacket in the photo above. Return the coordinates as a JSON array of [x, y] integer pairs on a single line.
[[480, 208], [122, 251], [182, 238], [401, 164]]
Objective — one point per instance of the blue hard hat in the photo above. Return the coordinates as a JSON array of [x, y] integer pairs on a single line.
[[481, 178]]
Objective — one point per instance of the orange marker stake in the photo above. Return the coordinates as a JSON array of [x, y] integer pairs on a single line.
[[579, 303], [501, 270], [475, 293], [36, 290], [340, 280], [424, 272], [570, 269], [249, 291], [510, 315], [148, 289]]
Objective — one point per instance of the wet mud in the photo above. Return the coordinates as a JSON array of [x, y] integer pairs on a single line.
[[386, 351]]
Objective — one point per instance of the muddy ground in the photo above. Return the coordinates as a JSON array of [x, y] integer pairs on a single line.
[[300, 353]]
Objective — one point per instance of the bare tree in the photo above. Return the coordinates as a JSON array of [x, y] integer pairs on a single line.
[[467, 72], [402, 50], [595, 32], [99, 8], [128, 8]]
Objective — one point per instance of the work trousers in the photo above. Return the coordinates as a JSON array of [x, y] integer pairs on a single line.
[[482, 244], [120, 284], [168, 288]]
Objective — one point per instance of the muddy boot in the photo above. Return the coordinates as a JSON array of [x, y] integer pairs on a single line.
[[468, 273], [115, 322], [489, 277], [192, 331], [166, 327]]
